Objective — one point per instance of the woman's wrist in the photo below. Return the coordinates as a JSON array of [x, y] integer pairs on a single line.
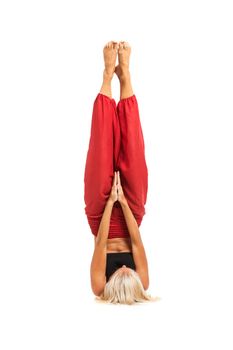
[[123, 202], [110, 202]]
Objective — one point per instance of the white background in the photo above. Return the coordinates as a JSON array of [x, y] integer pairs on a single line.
[[51, 70]]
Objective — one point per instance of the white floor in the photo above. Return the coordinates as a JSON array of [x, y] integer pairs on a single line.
[[51, 70]]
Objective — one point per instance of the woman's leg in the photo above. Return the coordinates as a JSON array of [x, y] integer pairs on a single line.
[[131, 161], [122, 70], [110, 54], [103, 144]]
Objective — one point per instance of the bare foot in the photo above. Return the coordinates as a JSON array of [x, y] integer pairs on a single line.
[[122, 69], [110, 54]]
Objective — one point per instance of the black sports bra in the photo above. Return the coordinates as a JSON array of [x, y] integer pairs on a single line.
[[116, 260]]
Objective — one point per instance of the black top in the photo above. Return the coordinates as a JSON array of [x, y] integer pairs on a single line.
[[116, 260]]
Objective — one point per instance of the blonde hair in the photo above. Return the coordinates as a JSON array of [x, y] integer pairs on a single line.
[[124, 287]]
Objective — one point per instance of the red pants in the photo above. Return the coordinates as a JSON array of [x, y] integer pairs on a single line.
[[116, 143]]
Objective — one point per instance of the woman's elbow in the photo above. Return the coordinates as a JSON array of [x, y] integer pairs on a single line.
[[97, 288], [145, 282], [146, 285]]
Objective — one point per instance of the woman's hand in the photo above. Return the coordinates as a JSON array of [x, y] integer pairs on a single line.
[[117, 192], [113, 195], [120, 193]]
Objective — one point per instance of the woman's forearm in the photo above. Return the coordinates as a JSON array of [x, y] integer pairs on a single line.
[[131, 223], [103, 230]]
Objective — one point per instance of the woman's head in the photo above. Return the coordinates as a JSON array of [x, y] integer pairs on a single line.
[[124, 287]]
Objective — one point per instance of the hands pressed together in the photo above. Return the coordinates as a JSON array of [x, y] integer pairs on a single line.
[[117, 193]]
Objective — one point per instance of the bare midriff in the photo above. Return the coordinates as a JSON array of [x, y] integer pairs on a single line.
[[117, 245]]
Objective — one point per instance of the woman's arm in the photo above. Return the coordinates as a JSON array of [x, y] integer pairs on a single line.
[[103, 230], [131, 223], [138, 250], [98, 263]]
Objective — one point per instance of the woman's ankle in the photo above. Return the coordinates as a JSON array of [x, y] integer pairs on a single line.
[[107, 76]]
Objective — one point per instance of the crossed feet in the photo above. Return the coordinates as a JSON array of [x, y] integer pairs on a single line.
[[111, 51]]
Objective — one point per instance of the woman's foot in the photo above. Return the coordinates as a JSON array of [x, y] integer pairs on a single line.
[[110, 54], [122, 69], [124, 52]]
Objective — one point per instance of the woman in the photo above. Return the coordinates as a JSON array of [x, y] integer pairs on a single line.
[[116, 181]]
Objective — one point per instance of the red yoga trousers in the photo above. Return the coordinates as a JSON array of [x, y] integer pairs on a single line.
[[116, 143]]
